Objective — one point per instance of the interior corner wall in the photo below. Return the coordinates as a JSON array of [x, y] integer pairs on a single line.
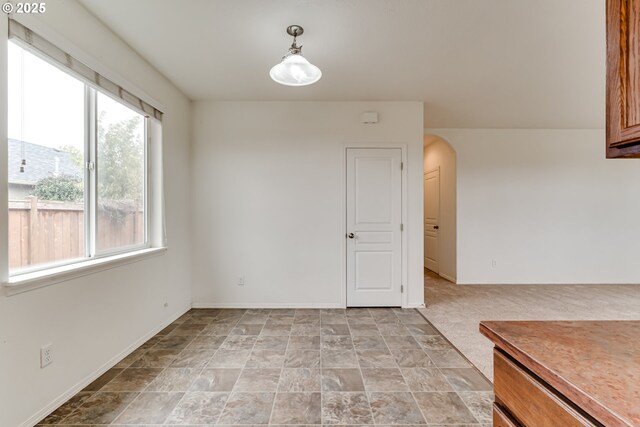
[[93, 320], [268, 199], [439, 154], [546, 206]]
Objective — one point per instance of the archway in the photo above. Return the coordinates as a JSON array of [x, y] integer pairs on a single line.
[[440, 210]]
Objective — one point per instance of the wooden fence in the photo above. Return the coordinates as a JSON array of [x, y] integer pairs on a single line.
[[48, 231]]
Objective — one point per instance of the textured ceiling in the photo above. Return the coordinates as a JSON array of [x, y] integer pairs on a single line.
[[474, 63]]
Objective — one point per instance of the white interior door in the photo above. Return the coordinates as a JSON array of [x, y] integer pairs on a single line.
[[374, 235], [431, 219]]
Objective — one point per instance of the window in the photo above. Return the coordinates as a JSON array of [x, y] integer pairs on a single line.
[[78, 163], [46, 175], [121, 183]]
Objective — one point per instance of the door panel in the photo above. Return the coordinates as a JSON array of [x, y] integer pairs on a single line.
[[373, 183], [374, 216], [374, 270], [431, 219]]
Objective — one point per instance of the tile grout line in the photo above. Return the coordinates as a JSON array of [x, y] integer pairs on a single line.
[[244, 367], [275, 395], [320, 372], [445, 377], [453, 346], [130, 366], [97, 391], [402, 373], [231, 392], [167, 367], [204, 366], [211, 322], [147, 386], [366, 393], [184, 394]]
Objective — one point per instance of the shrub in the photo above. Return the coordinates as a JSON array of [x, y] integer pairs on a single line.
[[64, 188]]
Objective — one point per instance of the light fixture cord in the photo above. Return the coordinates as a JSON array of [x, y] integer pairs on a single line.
[[23, 160]]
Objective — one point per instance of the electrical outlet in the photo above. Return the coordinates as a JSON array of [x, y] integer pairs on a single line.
[[240, 280], [494, 263], [46, 355]]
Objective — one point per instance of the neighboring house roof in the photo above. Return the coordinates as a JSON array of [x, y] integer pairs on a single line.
[[41, 163]]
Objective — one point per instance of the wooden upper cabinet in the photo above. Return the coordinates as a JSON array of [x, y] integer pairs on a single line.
[[623, 78]]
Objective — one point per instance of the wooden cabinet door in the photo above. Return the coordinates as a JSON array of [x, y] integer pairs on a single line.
[[623, 78]]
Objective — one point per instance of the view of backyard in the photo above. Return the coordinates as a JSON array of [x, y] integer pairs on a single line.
[[50, 183]]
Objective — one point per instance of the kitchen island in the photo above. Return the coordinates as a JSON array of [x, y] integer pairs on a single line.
[[565, 373]]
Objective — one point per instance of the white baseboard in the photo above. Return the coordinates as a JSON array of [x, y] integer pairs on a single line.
[[517, 283], [72, 391], [279, 305], [449, 278], [266, 305]]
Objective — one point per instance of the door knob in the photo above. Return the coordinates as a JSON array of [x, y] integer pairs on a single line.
[[435, 227], [351, 235]]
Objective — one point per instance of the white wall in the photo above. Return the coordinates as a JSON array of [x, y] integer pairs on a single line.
[[439, 154], [546, 205], [268, 198], [94, 319]]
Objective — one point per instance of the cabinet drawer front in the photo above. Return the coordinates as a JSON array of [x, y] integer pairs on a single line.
[[501, 419], [528, 400]]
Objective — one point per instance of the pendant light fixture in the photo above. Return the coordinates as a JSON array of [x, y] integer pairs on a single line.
[[294, 69]]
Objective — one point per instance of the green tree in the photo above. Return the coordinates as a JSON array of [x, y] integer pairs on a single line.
[[120, 161], [64, 188], [74, 153]]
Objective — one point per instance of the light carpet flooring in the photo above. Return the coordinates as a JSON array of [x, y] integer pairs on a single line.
[[457, 310]]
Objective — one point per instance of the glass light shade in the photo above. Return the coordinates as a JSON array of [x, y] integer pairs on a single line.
[[295, 70]]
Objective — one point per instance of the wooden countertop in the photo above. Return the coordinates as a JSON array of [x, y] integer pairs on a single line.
[[595, 364]]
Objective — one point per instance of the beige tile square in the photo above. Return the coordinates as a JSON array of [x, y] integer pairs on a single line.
[[248, 408], [224, 358], [302, 359], [444, 408], [339, 359], [132, 379], [339, 379], [297, 408], [346, 408], [395, 408], [101, 408], [173, 379], [198, 408], [299, 379], [219, 379], [149, 408], [384, 380], [258, 380]]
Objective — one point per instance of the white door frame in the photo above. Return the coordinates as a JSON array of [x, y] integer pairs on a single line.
[[426, 172], [343, 216]]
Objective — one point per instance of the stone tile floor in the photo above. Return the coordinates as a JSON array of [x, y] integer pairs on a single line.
[[298, 367]]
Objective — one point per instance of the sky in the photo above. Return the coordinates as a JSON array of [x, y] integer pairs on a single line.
[[46, 105]]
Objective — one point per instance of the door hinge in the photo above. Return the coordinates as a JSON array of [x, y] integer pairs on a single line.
[[402, 289], [401, 227], [401, 165]]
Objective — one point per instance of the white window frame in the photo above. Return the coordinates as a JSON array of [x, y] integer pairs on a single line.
[[154, 234], [92, 141]]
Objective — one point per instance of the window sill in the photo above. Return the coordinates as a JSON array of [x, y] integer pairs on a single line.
[[38, 279]]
